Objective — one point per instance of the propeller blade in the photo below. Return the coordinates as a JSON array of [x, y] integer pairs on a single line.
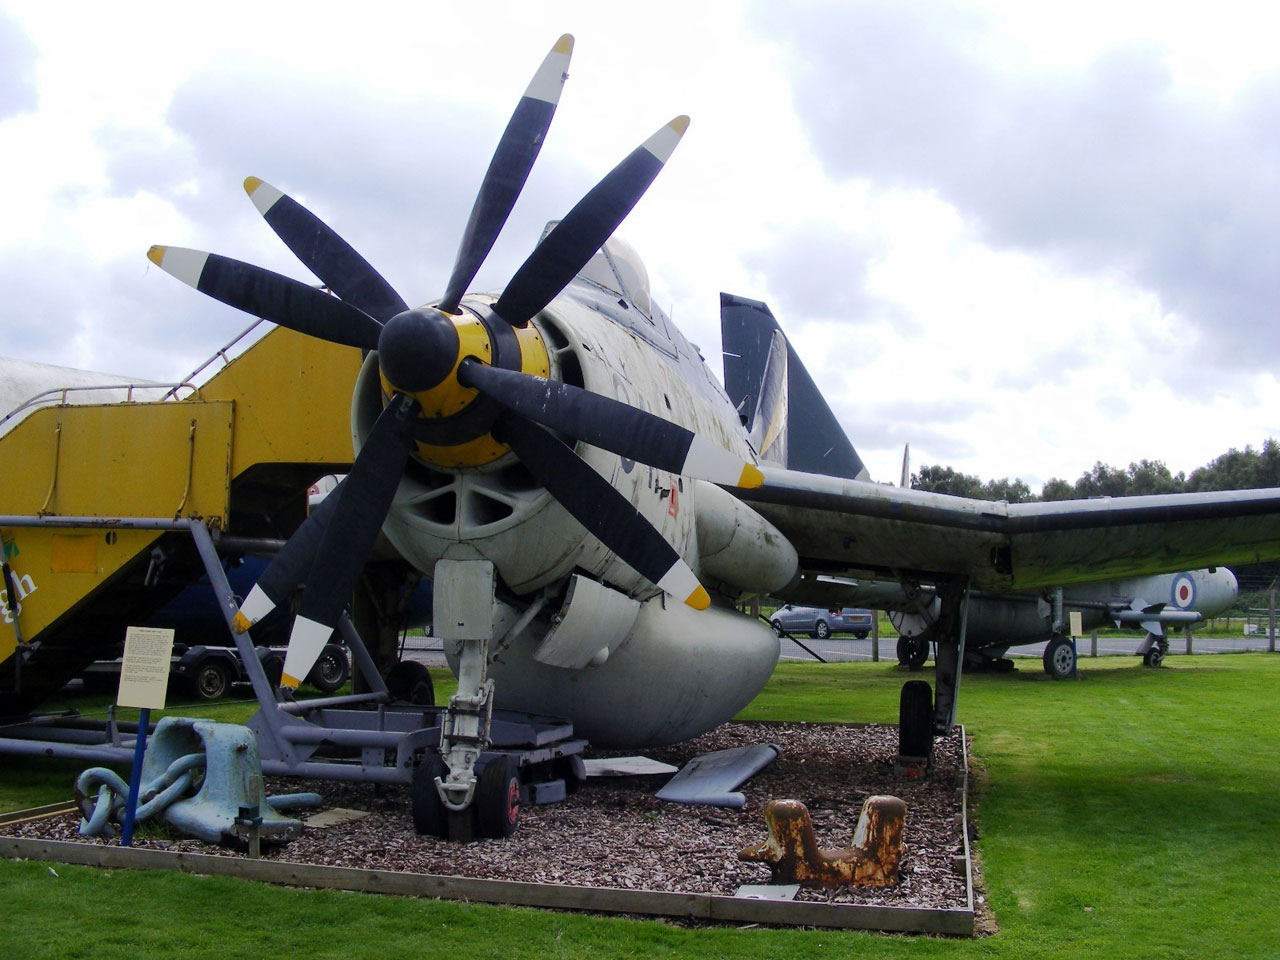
[[509, 169], [565, 251], [610, 424], [325, 253], [606, 513], [262, 293], [353, 527], [289, 566]]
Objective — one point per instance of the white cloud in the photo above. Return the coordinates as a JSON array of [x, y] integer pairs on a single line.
[[1021, 238]]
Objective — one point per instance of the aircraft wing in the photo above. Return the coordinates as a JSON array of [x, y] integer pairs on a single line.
[[854, 528]]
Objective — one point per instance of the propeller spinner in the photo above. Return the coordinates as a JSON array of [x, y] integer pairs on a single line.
[[463, 384]]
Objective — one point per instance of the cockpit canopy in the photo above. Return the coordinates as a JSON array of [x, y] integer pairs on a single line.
[[617, 267]]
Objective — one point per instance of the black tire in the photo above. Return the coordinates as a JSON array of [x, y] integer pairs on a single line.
[[1154, 657], [430, 818], [331, 670], [913, 652], [95, 682], [777, 628], [915, 719], [1060, 658], [211, 681], [410, 681], [273, 667], [860, 634], [821, 630], [497, 800]]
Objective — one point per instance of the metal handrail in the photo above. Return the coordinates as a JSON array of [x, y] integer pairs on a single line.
[[46, 396], [222, 352]]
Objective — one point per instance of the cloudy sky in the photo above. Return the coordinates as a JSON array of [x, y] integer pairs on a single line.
[[1021, 237]]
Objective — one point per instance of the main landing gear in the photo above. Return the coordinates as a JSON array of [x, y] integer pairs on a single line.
[[922, 714]]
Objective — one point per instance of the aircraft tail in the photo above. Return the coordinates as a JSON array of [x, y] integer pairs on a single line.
[[768, 431], [756, 377]]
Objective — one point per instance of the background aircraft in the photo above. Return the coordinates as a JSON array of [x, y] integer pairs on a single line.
[[997, 622], [584, 495]]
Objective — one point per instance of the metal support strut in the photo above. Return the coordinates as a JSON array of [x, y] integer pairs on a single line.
[[463, 601]]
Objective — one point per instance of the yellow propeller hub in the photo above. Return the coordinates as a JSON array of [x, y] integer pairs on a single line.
[[460, 418]]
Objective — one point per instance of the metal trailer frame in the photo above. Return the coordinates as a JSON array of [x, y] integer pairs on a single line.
[[381, 739]]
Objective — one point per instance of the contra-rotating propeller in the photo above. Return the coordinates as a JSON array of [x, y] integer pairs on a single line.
[[432, 358]]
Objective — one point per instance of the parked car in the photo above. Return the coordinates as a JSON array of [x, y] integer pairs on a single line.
[[821, 623]]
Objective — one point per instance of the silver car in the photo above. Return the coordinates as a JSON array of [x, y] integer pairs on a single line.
[[821, 623]]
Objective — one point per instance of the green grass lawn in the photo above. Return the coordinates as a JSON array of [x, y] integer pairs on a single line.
[[1132, 813]]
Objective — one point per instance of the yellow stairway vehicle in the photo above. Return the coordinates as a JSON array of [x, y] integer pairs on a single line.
[[238, 456]]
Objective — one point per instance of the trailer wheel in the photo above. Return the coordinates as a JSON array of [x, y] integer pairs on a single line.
[[210, 681], [429, 815], [331, 669], [410, 680], [498, 797], [272, 666]]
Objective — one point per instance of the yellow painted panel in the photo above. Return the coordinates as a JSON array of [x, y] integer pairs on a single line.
[[74, 553], [43, 592], [121, 460], [292, 401]]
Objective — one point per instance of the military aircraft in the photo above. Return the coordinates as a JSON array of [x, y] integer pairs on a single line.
[[563, 464], [762, 372], [997, 622]]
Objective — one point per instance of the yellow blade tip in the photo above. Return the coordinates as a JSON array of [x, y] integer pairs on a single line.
[[680, 124], [751, 477], [564, 44], [241, 623], [156, 255], [251, 184], [291, 682], [699, 599]]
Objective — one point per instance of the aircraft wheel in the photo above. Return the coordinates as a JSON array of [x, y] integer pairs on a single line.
[[1153, 657], [211, 681], [915, 719], [497, 799], [429, 815], [1059, 658], [331, 670], [821, 630], [410, 680], [913, 652]]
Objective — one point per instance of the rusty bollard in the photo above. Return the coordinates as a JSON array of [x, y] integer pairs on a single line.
[[793, 854]]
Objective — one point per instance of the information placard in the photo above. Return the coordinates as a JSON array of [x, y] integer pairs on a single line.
[[1077, 623], [144, 675]]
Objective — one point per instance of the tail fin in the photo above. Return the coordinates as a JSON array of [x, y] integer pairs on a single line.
[[813, 438], [768, 427]]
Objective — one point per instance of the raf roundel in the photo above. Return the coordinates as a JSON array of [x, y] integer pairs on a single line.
[[1183, 592]]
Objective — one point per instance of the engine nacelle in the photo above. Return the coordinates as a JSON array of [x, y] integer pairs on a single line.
[[678, 673], [498, 509]]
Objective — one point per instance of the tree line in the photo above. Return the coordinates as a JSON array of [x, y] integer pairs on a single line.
[[1234, 470]]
